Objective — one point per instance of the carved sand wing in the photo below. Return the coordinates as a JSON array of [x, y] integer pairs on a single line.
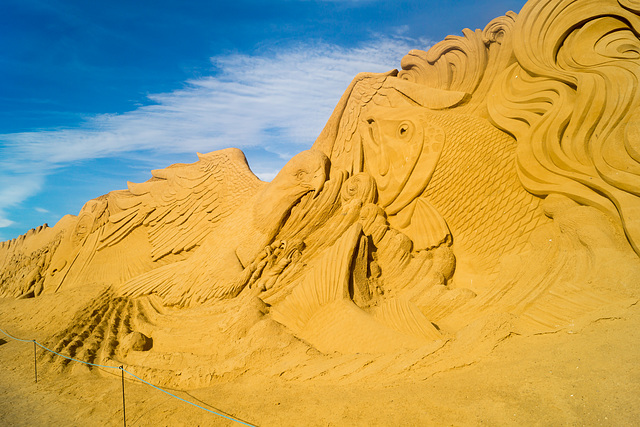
[[490, 187], [183, 203], [223, 265]]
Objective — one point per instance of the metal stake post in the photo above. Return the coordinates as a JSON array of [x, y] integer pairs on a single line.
[[124, 414], [35, 362]]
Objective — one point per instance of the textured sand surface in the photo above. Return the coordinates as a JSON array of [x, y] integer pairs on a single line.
[[589, 376], [460, 246]]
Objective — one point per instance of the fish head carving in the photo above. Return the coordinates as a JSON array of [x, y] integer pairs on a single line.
[[400, 148]]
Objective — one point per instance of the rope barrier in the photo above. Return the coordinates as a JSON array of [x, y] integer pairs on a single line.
[[123, 371], [186, 401], [14, 338]]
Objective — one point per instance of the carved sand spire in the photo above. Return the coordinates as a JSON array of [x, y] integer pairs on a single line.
[[491, 186]]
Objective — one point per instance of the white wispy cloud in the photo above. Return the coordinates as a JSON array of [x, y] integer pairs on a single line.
[[15, 188], [4, 222], [278, 100]]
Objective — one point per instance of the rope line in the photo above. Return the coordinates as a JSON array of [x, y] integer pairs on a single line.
[[134, 376], [186, 401], [14, 338]]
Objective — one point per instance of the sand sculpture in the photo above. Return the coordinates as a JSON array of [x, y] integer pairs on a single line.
[[490, 187]]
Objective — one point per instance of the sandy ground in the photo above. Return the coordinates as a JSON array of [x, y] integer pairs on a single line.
[[587, 377]]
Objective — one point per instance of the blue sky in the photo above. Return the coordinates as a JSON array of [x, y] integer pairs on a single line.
[[97, 93]]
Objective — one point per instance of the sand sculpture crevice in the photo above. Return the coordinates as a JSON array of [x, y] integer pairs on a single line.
[[489, 189]]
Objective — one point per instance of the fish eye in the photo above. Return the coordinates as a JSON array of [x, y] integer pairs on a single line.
[[404, 130]]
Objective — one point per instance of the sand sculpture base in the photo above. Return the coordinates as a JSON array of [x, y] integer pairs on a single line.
[[588, 376], [473, 219]]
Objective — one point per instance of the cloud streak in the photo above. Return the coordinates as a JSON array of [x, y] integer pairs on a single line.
[[276, 101]]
